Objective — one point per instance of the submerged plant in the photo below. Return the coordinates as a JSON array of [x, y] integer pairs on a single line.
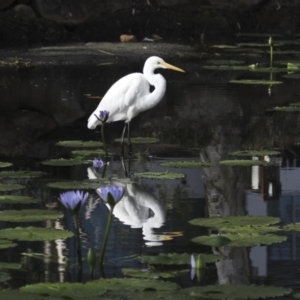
[[111, 195]]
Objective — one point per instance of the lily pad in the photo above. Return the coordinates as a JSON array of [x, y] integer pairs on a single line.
[[186, 164], [98, 287], [4, 277], [88, 184], [244, 162], [6, 244], [97, 152], [226, 222], [66, 162], [255, 81], [12, 199], [159, 175], [10, 187], [255, 153], [292, 76], [212, 240], [15, 294], [140, 140], [29, 215], [227, 68], [243, 239], [235, 292], [34, 234], [11, 266], [258, 44], [152, 274], [80, 144], [292, 227], [286, 108], [5, 164], [21, 174], [176, 258], [225, 62]]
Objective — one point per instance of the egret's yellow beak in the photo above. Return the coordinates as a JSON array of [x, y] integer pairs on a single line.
[[168, 66]]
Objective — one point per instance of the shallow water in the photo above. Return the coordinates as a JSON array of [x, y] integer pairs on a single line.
[[209, 122]]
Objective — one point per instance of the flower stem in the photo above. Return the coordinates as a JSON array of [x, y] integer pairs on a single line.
[[78, 244], [103, 248], [103, 140]]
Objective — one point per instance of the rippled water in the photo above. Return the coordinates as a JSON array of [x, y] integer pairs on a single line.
[[206, 122]]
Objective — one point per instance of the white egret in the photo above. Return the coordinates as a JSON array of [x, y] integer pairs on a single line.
[[131, 95]]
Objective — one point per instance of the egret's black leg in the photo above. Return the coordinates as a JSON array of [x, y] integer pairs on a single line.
[[124, 167], [129, 141], [122, 139]]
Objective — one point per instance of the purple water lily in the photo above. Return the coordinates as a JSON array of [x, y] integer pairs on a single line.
[[73, 200], [103, 115], [116, 192], [98, 163]]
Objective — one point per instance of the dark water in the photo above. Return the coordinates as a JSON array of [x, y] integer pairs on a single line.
[[206, 122]]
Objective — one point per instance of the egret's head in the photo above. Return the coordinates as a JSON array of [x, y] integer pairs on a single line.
[[155, 62]]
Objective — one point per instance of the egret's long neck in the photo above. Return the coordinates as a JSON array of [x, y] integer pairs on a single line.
[[159, 84]]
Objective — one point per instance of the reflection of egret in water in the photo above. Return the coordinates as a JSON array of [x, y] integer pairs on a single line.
[[140, 209]]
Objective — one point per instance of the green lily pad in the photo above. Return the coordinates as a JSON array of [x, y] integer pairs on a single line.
[[225, 62], [292, 227], [159, 175], [286, 108], [80, 144], [20, 174], [11, 266], [12, 199], [66, 162], [98, 287], [292, 76], [34, 234], [226, 222], [139, 140], [6, 244], [255, 34], [223, 46], [258, 44], [255, 153], [42, 256], [15, 294], [5, 164], [152, 274], [96, 153], [255, 81], [243, 239], [88, 184], [212, 240], [4, 277], [176, 258], [10, 187], [186, 164], [227, 68], [244, 162], [29, 215], [235, 292]]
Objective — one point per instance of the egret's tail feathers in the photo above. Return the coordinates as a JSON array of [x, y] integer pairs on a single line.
[[93, 122]]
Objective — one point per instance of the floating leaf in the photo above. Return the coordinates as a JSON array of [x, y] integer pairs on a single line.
[[292, 76], [227, 68], [255, 81], [225, 62], [292, 227], [98, 287], [88, 184], [223, 46], [255, 153], [139, 140], [5, 164], [80, 144], [4, 277], [29, 215], [186, 164], [286, 108], [12, 199], [231, 221], [244, 162], [11, 266], [152, 274], [212, 240], [160, 175], [34, 234], [243, 239], [15, 294], [10, 187], [258, 44], [97, 152], [6, 244], [176, 258], [235, 292], [21, 174], [66, 162]]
